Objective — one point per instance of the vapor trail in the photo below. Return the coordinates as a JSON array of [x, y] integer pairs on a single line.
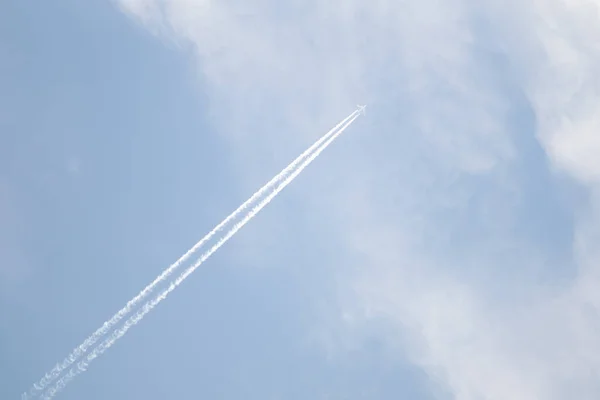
[[149, 305], [107, 326]]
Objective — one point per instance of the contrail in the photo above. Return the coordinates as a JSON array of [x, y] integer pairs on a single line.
[[148, 306], [107, 326]]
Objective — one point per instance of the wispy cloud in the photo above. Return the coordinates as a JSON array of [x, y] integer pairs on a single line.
[[478, 113]]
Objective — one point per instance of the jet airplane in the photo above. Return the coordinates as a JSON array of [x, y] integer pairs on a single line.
[[362, 109]]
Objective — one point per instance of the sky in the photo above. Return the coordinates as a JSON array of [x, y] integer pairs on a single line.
[[443, 248]]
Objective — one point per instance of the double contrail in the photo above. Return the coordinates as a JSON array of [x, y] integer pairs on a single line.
[[115, 319], [293, 169]]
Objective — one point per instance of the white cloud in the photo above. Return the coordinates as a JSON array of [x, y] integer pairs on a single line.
[[564, 84], [431, 202]]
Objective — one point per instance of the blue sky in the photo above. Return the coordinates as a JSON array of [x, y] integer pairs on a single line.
[[443, 248]]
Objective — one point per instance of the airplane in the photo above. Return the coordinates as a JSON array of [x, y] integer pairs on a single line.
[[362, 109]]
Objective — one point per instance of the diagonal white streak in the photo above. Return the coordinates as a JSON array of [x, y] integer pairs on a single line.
[[39, 386], [149, 305]]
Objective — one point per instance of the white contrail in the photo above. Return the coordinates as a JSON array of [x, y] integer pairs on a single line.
[[148, 306], [107, 326]]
